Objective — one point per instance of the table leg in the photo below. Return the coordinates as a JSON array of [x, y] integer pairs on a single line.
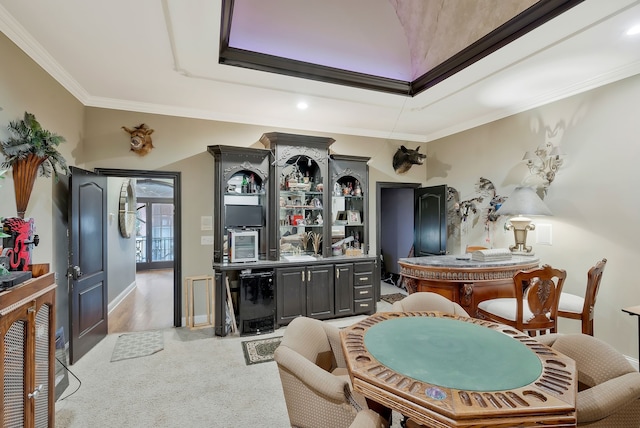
[[380, 409]]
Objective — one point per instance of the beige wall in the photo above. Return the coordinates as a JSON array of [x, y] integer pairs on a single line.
[[24, 86], [593, 198]]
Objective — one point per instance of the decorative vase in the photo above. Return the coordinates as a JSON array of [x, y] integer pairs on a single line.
[[25, 172]]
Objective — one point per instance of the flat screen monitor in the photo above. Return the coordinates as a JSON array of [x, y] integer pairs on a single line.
[[244, 216]]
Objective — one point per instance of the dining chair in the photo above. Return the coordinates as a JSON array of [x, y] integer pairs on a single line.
[[535, 305], [608, 385], [427, 301], [315, 380], [581, 308]]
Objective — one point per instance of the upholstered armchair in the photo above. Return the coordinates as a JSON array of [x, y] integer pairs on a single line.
[[426, 301], [608, 385], [315, 380]]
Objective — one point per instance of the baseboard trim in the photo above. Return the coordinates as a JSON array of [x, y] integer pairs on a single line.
[[120, 297]]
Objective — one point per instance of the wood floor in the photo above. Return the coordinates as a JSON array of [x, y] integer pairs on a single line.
[[148, 307]]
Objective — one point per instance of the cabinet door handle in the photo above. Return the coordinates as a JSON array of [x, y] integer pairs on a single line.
[[364, 305], [308, 276], [35, 393], [364, 292], [302, 276], [364, 278], [337, 273]]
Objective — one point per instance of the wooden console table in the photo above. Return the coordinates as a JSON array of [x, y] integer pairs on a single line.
[[27, 351], [461, 279]]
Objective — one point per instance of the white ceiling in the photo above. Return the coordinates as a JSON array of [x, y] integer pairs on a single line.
[[161, 56]]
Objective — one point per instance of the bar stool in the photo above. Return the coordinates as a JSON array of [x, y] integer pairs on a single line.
[[189, 288]]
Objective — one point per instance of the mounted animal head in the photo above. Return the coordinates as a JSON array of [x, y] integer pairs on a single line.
[[140, 139], [405, 158]]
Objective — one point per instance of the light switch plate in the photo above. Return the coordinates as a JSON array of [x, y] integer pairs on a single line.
[[543, 234]]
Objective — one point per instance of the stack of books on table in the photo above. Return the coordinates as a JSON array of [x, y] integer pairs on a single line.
[[491, 255]]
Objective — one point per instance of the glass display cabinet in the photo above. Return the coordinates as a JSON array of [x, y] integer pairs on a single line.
[[349, 205], [299, 192], [241, 202]]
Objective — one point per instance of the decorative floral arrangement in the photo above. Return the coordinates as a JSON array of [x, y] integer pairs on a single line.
[[28, 151], [28, 138]]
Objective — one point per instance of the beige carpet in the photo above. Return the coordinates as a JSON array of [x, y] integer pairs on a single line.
[[198, 381]]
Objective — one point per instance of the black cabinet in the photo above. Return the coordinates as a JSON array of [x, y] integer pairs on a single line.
[[301, 200], [364, 293], [240, 196], [320, 291], [304, 291], [344, 289]]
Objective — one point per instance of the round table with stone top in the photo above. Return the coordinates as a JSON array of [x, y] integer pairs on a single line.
[[463, 280], [442, 370]]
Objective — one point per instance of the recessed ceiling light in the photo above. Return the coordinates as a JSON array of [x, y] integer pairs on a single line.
[[633, 30], [302, 105]]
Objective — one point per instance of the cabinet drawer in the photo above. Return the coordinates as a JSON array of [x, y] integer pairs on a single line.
[[364, 267], [363, 279], [365, 305], [363, 292]]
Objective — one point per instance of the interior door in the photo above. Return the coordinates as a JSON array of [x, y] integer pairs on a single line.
[[430, 221], [87, 261]]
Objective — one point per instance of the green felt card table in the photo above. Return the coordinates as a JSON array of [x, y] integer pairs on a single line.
[[442, 370]]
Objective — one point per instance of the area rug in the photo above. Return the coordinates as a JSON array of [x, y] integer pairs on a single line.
[[260, 350], [391, 298], [139, 344]]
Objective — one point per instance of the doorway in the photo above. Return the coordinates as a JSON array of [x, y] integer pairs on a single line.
[[158, 250], [394, 235]]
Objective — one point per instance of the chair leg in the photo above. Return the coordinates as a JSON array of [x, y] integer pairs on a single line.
[[587, 327]]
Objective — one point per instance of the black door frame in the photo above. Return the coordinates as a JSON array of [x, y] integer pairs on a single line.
[[177, 232]]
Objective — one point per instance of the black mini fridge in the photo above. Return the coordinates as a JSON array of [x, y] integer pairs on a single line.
[[257, 305]]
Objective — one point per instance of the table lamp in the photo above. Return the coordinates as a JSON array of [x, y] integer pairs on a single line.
[[524, 201]]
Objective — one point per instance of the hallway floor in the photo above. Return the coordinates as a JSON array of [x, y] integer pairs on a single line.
[[148, 307]]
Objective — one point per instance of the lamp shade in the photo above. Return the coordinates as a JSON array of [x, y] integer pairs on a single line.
[[524, 201]]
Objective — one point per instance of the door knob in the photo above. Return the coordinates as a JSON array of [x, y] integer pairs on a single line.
[[75, 272]]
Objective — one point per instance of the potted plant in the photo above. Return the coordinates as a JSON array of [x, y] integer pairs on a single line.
[[28, 151]]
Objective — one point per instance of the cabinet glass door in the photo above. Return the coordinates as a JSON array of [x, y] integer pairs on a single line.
[[301, 208]]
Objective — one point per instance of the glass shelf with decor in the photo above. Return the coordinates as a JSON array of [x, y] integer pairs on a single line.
[[299, 169], [349, 228]]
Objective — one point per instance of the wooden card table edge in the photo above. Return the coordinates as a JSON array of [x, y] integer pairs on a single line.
[[548, 401]]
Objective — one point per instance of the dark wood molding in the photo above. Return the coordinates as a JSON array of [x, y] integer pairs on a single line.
[[533, 17]]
